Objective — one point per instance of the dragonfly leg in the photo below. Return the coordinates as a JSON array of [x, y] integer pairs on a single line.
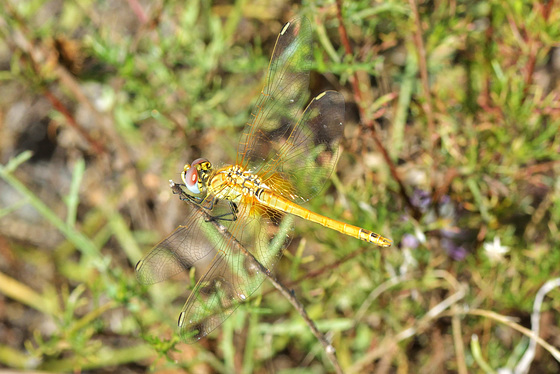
[[193, 199], [233, 214], [205, 203], [230, 216], [177, 189]]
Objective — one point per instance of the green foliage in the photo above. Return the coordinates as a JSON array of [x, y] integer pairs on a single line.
[[84, 189]]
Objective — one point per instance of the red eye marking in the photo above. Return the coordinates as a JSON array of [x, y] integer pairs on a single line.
[[191, 176]]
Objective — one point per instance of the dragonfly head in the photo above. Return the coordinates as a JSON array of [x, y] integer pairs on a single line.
[[196, 174]]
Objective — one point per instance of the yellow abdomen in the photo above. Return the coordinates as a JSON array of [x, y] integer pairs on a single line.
[[274, 201], [237, 185]]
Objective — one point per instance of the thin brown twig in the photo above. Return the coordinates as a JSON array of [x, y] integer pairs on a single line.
[[547, 9], [61, 108], [534, 47], [367, 121], [423, 67], [138, 11], [40, 55], [485, 99], [427, 103], [535, 44], [288, 294]]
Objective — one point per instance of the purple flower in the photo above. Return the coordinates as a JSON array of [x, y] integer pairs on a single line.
[[410, 241], [455, 251], [421, 199]]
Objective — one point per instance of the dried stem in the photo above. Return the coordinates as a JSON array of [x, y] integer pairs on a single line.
[[367, 121], [288, 294], [390, 342], [423, 67], [535, 45], [40, 54], [61, 108], [138, 11]]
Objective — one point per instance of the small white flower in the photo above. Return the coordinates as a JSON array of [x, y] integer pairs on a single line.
[[495, 251]]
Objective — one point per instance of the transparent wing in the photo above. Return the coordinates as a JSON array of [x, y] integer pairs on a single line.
[[179, 252], [282, 97], [232, 277], [228, 276], [305, 160], [292, 153], [184, 248]]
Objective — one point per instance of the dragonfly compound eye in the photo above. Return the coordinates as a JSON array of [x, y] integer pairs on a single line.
[[202, 164], [190, 177]]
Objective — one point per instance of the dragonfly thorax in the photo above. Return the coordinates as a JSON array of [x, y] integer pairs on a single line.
[[234, 183]]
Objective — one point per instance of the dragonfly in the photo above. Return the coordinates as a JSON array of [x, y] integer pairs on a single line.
[[284, 158]]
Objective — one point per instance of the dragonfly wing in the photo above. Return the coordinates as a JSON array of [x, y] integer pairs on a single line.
[[232, 277], [305, 160], [294, 155], [283, 96], [180, 251]]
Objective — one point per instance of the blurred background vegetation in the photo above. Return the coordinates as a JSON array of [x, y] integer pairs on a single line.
[[451, 149]]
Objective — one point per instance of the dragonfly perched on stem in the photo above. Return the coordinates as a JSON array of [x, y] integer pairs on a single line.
[[284, 158]]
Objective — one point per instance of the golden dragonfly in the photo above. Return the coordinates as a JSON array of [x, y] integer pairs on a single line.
[[284, 158]]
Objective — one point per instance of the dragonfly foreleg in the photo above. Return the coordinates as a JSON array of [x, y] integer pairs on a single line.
[[177, 189], [193, 199]]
